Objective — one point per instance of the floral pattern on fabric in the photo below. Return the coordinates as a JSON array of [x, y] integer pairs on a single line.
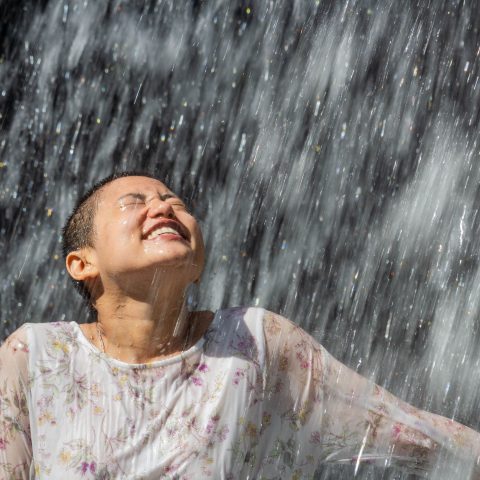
[[256, 397]]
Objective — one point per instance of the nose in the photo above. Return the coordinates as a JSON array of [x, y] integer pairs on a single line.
[[158, 207]]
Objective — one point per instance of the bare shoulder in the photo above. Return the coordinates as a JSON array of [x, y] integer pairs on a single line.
[[88, 329]]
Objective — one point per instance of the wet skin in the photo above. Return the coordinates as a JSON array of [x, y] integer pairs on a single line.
[[127, 211], [130, 262]]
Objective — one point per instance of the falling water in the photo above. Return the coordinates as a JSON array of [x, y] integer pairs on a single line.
[[330, 149]]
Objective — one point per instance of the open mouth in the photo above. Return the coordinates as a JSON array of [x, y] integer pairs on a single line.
[[166, 232]]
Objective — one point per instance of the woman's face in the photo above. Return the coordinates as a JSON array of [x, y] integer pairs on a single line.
[[142, 228]]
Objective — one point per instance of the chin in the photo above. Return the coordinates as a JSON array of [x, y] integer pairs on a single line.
[[158, 262]]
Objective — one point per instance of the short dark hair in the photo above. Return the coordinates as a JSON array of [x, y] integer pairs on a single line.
[[78, 231]]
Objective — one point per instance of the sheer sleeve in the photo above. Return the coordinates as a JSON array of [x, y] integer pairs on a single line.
[[15, 441], [349, 419]]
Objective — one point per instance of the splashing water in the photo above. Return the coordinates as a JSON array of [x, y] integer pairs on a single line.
[[329, 148]]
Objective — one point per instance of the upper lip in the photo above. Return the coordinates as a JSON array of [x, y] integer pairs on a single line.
[[166, 223]]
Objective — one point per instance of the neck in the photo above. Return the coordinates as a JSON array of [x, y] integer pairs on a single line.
[[138, 331]]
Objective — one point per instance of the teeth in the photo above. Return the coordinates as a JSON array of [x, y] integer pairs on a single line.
[[160, 231]]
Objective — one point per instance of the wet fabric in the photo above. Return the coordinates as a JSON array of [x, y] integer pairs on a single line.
[[256, 397]]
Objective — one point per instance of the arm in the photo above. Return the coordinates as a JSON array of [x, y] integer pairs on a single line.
[[352, 420], [15, 441], [386, 430]]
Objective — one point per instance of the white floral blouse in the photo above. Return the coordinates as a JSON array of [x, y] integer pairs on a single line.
[[255, 398]]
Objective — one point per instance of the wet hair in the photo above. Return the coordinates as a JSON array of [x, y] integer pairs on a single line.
[[79, 231]]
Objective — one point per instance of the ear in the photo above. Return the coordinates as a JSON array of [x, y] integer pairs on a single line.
[[80, 265]]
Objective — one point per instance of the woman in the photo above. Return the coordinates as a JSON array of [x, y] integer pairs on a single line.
[[152, 391]]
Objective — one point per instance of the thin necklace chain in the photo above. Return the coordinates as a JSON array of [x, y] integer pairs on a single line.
[[187, 336], [101, 336]]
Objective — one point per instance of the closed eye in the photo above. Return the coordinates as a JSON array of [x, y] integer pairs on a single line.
[[177, 204], [137, 199], [132, 200]]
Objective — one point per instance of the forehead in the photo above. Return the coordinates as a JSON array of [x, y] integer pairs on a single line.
[[125, 185]]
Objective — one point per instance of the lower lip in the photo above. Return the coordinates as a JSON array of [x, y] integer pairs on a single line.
[[167, 236]]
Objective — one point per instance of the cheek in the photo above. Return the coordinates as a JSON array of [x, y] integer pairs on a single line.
[[196, 233], [199, 244], [130, 218], [119, 233]]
